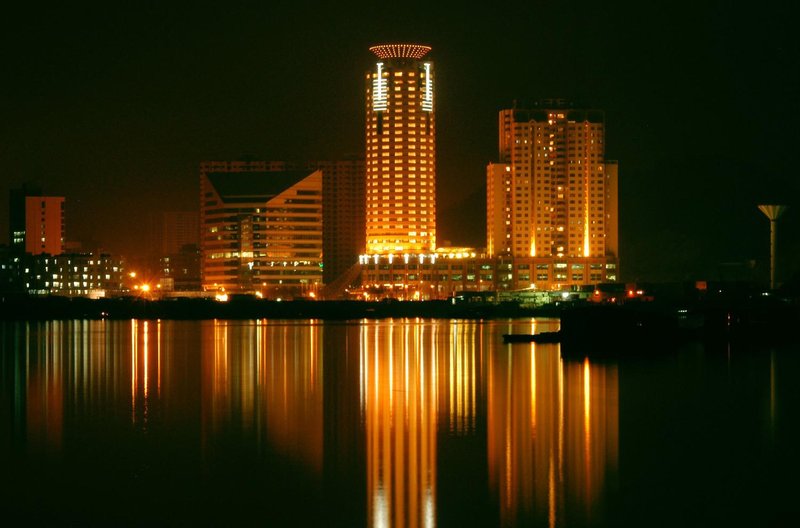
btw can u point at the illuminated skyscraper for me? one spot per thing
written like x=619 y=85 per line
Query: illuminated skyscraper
x=553 y=197
x=400 y=153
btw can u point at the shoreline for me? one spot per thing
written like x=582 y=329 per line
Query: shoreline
x=68 y=308
x=586 y=325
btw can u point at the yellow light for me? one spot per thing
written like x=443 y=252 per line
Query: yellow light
x=312 y=295
x=145 y=287
x=132 y=274
x=221 y=297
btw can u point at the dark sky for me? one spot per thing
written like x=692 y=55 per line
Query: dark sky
x=114 y=106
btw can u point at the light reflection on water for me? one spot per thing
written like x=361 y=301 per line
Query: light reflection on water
x=368 y=419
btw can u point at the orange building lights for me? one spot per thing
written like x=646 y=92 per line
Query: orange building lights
x=400 y=152
x=394 y=51
x=553 y=196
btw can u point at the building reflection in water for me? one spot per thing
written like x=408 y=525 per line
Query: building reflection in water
x=264 y=380
x=145 y=369
x=399 y=396
x=394 y=389
x=552 y=435
x=44 y=386
x=462 y=368
x=59 y=370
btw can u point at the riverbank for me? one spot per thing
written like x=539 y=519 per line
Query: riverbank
x=585 y=326
x=55 y=308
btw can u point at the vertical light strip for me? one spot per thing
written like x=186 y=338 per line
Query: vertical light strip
x=587 y=177
x=533 y=388
x=587 y=424
x=158 y=357
x=134 y=362
x=146 y=353
x=560 y=418
x=427 y=101
x=379 y=90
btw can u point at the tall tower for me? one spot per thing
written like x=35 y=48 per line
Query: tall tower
x=401 y=151
x=773 y=212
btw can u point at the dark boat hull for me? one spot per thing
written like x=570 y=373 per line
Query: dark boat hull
x=543 y=337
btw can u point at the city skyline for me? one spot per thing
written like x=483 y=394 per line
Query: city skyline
x=698 y=106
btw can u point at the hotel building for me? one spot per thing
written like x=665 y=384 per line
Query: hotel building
x=261 y=228
x=552 y=198
x=400 y=151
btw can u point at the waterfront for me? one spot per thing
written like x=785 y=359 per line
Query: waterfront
x=387 y=423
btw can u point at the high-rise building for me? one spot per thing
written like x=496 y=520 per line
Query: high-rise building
x=400 y=151
x=261 y=228
x=342 y=215
x=553 y=196
x=36 y=221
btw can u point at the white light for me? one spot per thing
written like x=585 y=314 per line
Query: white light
x=379 y=90
x=427 y=101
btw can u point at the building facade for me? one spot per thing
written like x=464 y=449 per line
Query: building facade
x=400 y=151
x=36 y=221
x=67 y=274
x=441 y=275
x=261 y=228
x=553 y=196
x=343 y=218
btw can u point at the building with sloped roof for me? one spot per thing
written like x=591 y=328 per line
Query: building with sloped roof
x=261 y=228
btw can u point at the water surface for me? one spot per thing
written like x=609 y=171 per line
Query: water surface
x=386 y=423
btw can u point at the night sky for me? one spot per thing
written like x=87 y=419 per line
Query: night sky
x=114 y=107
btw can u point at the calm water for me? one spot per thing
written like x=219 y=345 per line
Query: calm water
x=386 y=423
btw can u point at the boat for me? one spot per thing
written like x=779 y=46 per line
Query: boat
x=542 y=337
